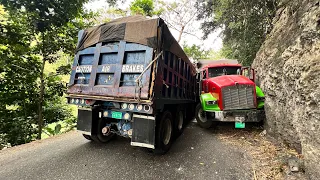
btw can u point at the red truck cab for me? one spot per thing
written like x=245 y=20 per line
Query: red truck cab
x=228 y=93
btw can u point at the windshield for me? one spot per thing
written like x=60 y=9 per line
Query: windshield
x=220 y=71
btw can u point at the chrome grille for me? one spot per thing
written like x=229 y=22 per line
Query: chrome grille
x=240 y=96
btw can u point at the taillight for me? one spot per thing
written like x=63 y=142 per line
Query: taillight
x=131 y=107
x=88 y=102
x=146 y=108
x=82 y=102
x=139 y=107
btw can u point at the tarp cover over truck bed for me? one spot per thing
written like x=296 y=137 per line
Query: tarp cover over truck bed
x=111 y=56
x=136 y=29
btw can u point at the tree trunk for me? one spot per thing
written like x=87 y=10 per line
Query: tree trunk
x=40 y=109
x=180 y=33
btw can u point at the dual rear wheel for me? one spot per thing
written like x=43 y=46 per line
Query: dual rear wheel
x=97 y=134
x=164 y=131
x=168 y=128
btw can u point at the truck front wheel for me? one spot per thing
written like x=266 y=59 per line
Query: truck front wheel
x=164 y=133
x=202 y=118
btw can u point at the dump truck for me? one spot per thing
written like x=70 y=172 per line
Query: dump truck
x=228 y=93
x=131 y=78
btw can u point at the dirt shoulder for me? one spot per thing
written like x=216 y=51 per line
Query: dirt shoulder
x=270 y=158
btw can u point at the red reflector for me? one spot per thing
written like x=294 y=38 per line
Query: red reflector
x=88 y=102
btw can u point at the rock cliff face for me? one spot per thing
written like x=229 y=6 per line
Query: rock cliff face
x=288 y=71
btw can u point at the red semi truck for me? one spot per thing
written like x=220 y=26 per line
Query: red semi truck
x=131 y=78
x=228 y=93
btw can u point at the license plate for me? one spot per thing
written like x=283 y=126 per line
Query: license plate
x=239 y=122
x=116 y=115
x=240 y=125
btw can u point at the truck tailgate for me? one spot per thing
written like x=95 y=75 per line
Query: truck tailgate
x=110 y=70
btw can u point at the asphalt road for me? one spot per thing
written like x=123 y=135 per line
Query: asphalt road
x=196 y=154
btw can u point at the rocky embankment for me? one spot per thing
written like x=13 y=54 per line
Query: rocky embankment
x=288 y=70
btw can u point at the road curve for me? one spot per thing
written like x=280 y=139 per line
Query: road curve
x=196 y=154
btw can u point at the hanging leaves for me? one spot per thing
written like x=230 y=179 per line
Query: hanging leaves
x=245 y=24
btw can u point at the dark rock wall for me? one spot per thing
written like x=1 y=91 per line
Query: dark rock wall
x=288 y=71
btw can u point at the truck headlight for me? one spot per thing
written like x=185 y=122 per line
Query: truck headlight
x=211 y=102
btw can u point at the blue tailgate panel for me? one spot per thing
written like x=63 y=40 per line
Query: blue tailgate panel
x=110 y=70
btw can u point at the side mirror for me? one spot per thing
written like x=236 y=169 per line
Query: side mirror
x=248 y=72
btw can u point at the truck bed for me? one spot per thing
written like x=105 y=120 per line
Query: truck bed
x=109 y=70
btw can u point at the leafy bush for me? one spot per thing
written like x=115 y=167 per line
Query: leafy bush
x=245 y=24
x=16 y=129
x=27 y=45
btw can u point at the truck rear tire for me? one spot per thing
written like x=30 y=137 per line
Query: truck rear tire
x=164 y=133
x=97 y=135
x=201 y=117
x=179 y=122
x=103 y=138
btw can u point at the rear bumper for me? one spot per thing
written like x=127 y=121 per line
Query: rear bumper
x=251 y=115
x=141 y=126
x=106 y=98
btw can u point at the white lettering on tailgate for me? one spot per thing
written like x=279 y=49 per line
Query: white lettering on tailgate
x=105 y=68
x=83 y=69
x=132 y=68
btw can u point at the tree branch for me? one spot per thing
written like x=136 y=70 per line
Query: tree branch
x=21 y=68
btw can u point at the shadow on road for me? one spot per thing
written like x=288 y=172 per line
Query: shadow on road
x=190 y=138
x=196 y=154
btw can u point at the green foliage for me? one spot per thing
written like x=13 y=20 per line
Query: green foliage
x=32 y=33
x=18 y=80
x=46 y=15
x=143 y=7
x=55 y=131
x=3 y=142
x=105 y=15
x=112 y=2
x=195 y=52
x=245 y=24
x=18 y=130
x=216 y=55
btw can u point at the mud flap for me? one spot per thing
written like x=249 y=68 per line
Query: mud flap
x=143 y=131
x=85 y=119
